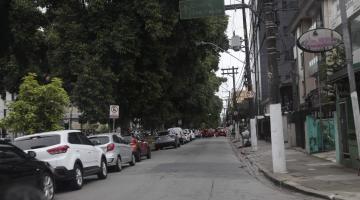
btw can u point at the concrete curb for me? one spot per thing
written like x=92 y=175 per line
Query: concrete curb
x=289 y=184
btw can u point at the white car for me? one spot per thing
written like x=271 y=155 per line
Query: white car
x=192 y=135
x=117 y=150
x=179 y=132
x=69 y=152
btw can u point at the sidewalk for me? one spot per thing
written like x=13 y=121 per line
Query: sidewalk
x=306 y=173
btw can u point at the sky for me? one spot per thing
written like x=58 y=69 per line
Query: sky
x=227 y=61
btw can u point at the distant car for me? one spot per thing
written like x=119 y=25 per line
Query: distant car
x=207 y=133
x=192 y=135
x=179 y=132
x=220 y=132
x=70 y=152
x=166 y=139
x=187 y=135
x=138 y=145
x=117 y=150
x=24 y=177
x=198 y=134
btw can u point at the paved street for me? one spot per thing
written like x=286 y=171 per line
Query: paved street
x=202 y=170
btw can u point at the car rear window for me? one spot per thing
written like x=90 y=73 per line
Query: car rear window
x=100 y=140
x=37 y=142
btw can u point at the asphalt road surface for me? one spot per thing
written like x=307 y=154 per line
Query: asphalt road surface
x=205 y=169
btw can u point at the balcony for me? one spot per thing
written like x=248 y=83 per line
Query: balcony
x=341 y=72
x=313 y=101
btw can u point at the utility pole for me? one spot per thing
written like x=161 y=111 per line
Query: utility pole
x=350 y=70
x=247 y=62
x=232 y=72
x=277 y=135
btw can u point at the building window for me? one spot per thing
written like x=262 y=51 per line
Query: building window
x=302 y=60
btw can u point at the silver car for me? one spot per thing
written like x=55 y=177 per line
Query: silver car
x=117 y=150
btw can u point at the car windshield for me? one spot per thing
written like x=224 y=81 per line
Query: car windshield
x=163 y=133
x=99 y=140
x=37 y=142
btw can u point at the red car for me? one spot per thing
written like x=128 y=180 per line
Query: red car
x=207 y=133
x=220 y=133
x=138 y=145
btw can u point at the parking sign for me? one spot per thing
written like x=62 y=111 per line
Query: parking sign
x=114 y=111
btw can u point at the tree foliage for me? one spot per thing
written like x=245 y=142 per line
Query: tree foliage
x=134 y=53
x=38 y=107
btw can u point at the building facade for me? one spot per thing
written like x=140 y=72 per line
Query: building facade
x=285 y=10
x=314 y=87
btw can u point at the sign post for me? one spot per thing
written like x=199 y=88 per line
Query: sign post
x=191 y=9
x=114 y=114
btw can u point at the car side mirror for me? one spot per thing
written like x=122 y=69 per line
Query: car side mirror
x=31 y=154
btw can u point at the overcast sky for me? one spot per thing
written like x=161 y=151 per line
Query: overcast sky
x=227 y=61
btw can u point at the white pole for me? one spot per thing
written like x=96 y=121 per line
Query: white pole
x=350 y=70
x=253 y=134
x=277 y=139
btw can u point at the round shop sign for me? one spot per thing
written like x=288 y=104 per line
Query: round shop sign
x=319 y=40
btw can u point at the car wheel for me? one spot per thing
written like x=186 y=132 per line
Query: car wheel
x=103 y=170
x=48 y=187
x=138 y=156
x=132 y=162
x=78 y=179
x=148 y=155
x=118 y=166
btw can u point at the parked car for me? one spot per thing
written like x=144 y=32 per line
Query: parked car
x=166 y=139
x=138 y=145
x=192 y=135
x=116 y=149
x=69 y=152
x=149 y=137
x=24 y=177
x=198 y=134
x=220 y=132
x=179 y=132
x=207 y=133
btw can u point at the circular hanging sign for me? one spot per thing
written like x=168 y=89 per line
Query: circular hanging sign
x=319 y=40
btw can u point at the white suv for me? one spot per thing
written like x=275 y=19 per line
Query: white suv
x=69 y=152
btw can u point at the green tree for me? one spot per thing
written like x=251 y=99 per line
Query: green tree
x=38 y=107
x=134 y=53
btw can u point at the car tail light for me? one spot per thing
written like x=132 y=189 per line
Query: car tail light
x=58 y=150
x=110 y=147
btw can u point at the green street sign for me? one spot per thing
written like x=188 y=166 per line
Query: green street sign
x=190 y=9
